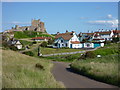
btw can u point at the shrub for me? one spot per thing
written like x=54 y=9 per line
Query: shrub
x=38 y=65
x=43 y=44
x=89 y=54
x=30 y=53
x=13 y=48
x=30 y=44
x=115 y=39
x=34 y=42
x=50 y=41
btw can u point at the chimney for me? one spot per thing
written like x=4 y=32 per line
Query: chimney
x=66 y=31
x=73 y=31
x=58 y=33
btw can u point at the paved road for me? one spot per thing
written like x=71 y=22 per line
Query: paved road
x=62 y=72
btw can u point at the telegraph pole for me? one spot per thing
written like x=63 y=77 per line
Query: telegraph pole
x=38 y=50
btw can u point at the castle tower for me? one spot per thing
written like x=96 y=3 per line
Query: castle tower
x=35 y=22
x=42 y=26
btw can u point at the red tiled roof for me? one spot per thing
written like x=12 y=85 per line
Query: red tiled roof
x=75 y=42
x=65 y=36
x=116 y=31
x=106 y=32
x=42 y=38
x=88 y=33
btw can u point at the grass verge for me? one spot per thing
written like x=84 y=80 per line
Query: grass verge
x=20 y=71
x=103 y=69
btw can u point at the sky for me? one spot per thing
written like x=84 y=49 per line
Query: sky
x=62 y=16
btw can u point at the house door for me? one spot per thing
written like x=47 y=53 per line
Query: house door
x=70 y=45
x=58 y=45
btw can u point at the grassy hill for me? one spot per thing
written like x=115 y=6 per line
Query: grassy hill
x=22 y=71
x=30 y=34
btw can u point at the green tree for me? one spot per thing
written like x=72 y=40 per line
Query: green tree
x=44 y=44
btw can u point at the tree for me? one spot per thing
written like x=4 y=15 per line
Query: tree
x=50 y=41
x=44 y=44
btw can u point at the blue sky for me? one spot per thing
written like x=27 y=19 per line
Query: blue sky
x=62 y=16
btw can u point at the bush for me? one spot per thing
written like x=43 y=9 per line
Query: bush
x=115 y=40
x=34 y=42
x=38 y=65
x=50 y=41
x=13 y=48
x=43 y=44
x=30 y=53
x=89 y=54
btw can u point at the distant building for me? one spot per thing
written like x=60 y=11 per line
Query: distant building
x=36 y=25
x=116 y=34
x=15 y=43
x=68 y=39
x=72 y=40
x=107 y=35
x=41 y=38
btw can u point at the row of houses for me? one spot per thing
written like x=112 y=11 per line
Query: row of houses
x=84 y=40
x=72 y=40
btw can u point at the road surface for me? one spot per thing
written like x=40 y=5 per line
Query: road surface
x=62 y=72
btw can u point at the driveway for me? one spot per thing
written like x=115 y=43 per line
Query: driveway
x=62 y=72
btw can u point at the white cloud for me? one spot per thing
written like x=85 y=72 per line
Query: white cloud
x=112 y=23
x=17 y=22
x=109 y=16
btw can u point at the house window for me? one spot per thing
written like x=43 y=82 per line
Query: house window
x=88 y=45
x=56 y=44
x=61 y=41
x=62 y=44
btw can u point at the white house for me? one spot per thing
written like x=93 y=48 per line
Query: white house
x=107 y=35
x=68 y=39
x=15 y=43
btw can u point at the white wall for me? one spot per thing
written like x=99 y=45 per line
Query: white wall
x=102 y=44
x=19 y=46
x=76 y=45
x=91 y=45
x=74 y=38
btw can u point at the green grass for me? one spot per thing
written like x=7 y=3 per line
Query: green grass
x=107 y=50
x=64 y=58
x=53 y=50
x=19 y=71
x=103 y=69
x=30 y=34
x=24 y=42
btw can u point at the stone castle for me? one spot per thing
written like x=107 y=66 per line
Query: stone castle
x=36 y=25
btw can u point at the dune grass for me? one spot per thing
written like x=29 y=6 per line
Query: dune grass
x=20 y=71
x=104 y=69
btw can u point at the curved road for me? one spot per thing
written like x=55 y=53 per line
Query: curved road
x=62 y=72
